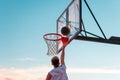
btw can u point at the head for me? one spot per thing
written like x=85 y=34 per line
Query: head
x=55 y=61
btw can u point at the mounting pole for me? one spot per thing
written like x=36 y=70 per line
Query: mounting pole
x=94 y=18
x=80 y=15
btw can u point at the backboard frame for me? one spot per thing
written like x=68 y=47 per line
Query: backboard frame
x=95 y=38
x=67 y=21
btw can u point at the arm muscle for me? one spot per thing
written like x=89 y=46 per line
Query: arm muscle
x=63 y=56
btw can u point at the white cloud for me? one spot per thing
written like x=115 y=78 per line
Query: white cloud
x=26 y=59
x=94 y=70
x=113 y=67
x=35 y=73
x=40 y=72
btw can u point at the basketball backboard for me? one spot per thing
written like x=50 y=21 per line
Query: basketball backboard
x=71 y=17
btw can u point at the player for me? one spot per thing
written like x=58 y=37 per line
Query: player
x=59 y=71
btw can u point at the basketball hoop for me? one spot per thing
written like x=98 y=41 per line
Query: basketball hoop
x=53 y=41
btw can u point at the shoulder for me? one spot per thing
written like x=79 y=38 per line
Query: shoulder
x=63 y=65
x=48 y=76
x=53 y=71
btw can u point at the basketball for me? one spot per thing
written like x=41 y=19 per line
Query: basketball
x=65 y=31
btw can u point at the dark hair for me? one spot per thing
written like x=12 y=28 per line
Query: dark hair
x=55 y=61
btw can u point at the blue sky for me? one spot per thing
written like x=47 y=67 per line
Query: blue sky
x=23 y=49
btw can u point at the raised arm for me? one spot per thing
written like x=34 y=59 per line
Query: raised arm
x=63 y=56
x=65 y=42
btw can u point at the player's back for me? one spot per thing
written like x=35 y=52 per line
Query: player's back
x=59 y=73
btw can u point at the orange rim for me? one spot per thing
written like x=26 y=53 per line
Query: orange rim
x=46 y=37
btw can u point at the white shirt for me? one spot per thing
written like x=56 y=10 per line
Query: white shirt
x=59 y=73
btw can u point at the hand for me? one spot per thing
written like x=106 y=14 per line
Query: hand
x=65 y=41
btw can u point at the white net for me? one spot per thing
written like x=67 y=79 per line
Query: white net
x=53 y=41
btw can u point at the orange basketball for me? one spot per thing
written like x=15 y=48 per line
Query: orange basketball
x=65 y=31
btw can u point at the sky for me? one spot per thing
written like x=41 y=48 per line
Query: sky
x=23 y=49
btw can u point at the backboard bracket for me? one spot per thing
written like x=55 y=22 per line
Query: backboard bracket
x=111 y=40
x=95 y=38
